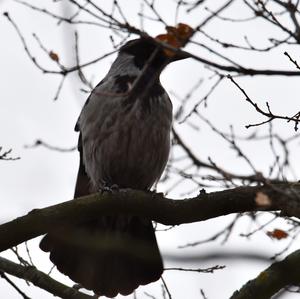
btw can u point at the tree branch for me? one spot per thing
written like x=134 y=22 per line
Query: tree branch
x=41 y=280
x=271 y=280
x=9 y=281
x=153 y=206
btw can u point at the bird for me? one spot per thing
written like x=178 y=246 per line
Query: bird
x=124 y=141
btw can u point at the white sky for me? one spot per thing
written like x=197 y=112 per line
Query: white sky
x=43 y=177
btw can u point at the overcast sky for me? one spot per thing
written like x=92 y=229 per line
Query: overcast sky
x=43 y=177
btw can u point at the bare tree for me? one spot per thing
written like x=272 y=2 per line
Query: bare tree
x=232 y=60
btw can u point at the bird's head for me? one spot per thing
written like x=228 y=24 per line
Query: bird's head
x=147 y=50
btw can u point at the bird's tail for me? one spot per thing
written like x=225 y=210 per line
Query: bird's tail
x=110 y=255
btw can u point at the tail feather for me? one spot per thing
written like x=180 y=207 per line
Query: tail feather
x=109 y=256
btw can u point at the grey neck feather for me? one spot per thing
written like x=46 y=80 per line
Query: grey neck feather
x=124 y=64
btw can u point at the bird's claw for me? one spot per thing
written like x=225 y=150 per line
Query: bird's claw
x=109 y=189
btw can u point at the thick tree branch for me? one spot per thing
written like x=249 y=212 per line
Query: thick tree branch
x=271 y=280
x=41 y=280
x=153 y=206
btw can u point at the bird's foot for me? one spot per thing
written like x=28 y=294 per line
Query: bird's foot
x=109 y=188
x=77 y=286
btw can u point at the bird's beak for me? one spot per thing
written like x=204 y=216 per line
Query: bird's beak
x=180 y=56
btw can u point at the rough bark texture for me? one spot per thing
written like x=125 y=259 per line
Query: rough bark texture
x=40 y=279
x=152 y=206
x=271 y=280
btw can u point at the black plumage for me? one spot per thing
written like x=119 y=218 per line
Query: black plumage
x=124 y=141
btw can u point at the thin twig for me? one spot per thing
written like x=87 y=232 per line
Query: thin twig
x=166 y=287
x=4 y=276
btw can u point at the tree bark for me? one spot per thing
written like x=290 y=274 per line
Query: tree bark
x=272 y=280
x=40 y=279
x=152 y=206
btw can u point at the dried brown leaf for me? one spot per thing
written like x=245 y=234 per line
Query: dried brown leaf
x=53 y=56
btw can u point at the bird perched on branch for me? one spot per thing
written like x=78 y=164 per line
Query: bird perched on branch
x=124 y=140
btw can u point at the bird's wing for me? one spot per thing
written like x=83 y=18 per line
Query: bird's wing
x=98 y=99
x=82 y=186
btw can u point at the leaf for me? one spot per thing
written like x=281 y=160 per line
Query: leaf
x=53 y=56
x=169 y=39
x=176 y=37
x=184 y=31
x=277 y=234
